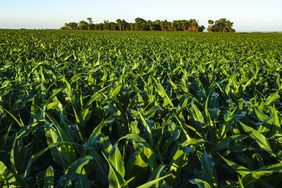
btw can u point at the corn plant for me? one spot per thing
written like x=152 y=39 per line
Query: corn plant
x=140 y=109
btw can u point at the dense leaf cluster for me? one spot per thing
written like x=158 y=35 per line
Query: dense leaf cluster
x=116 y=109
x=222 y=25
x=140 y=24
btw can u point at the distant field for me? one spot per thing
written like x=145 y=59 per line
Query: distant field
x=149 y=109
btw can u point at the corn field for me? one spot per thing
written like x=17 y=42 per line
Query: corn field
x=140 y=109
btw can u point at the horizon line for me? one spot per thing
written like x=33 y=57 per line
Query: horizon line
x=205 y=31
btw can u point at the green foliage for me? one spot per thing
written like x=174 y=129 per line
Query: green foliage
x=140 y=24
x=136 y=109
x=221 y=25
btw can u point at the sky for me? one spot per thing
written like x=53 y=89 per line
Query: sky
x=247 y=15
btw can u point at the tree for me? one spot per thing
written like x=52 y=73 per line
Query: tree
x=100 y=26
x=126 y=25
x=106 y=25
x=221 y=25
x=64 y=28
x=90 y=20
x=90 y=24
x=150 y=24
x=210 y=22
x=141 y=24
x=201 y=28
x=157 y=25
x=166 y=25
x=120 y=24
x=71 y=26
x=176 y=25
x=162 y=24
x=83 y=25
x=194 y=25
x=113 y=26
x=132 y=26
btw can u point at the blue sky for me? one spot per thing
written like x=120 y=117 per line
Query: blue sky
x=247 y=15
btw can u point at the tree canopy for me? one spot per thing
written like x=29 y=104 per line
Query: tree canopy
x=221 y=25
x=140 y=24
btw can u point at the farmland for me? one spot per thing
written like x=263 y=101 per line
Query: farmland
x=148 y=109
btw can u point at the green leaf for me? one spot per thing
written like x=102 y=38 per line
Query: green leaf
x=116 y=160
x=200 y=183
x=157 y=173
x=74 y=171
x=54 y=105
x=271 y=98
x=208 y=171
x=96 y=96
x=258 y=137
x=262 y=116
x=148 y=129
x=3 y=168
x=134 y=137
x=275 y=116
x=268 y=170
x=197 y=114
x=238 y=168
x=6 y=177
x=179 y=160
x=115 y=91
x=161 y=91
x=100 y=166
x=114 y=177
x=16 y=120
x=49 y=178
x=153 y=182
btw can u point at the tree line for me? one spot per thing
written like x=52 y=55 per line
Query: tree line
x=140 y=24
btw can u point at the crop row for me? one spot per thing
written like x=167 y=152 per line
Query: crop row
x=128 y=109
